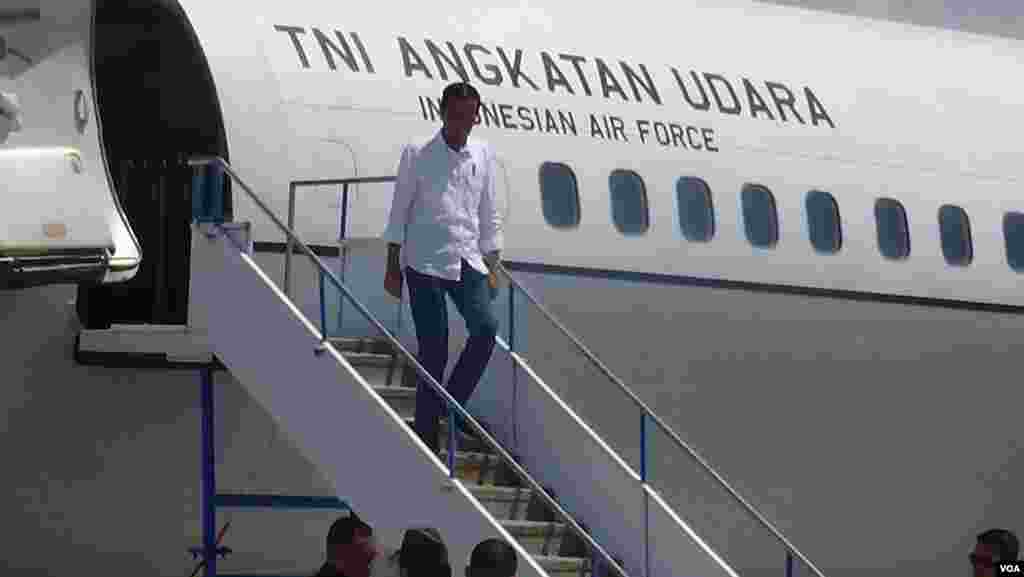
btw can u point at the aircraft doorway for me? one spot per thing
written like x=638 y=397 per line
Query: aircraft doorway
x=157 y=106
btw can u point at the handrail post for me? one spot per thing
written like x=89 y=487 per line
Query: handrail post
x=643 y=447
x=288 y=242
x=343 y=225
x=451 y=441
x=343 y=236
x=511 y=318
x=515 y=369
x=209 y=475
x=789 y=563
x=323 y=310
x=643 y=483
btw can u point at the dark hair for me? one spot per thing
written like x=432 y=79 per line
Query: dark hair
x=494 y=556
x=458 y=90
x=1004 y=542
x=344 y=529
x=424 y=553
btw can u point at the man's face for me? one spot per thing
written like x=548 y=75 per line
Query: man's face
x=983 y=561
x=355 y=558
x=460 y=116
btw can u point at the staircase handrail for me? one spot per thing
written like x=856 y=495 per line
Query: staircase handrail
x=410 y=359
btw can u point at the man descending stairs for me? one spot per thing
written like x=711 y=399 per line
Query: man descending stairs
x=524 y=516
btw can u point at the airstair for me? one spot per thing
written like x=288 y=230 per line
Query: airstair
x=338 y=376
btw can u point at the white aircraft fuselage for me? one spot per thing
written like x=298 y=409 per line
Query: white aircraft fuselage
x=846 y=358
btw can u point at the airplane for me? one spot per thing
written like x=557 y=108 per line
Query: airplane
x=806 y=224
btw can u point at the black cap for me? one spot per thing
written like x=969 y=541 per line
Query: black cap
x=344 y=528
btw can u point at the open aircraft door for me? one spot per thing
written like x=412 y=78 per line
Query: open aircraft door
x=60 y=222
x=55 y=226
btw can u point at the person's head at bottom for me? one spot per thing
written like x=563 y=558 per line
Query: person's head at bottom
x=492 y=558
x=350 y=547
x=423 y=554
x=993 y=547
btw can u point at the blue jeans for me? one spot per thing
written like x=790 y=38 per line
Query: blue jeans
x=472 y=298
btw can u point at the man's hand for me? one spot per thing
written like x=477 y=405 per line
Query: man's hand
x=494 y=283
x=393 y=276
x=496 y=273
x=496 y=276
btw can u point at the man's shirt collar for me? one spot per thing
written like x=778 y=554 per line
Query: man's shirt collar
x=440 y=141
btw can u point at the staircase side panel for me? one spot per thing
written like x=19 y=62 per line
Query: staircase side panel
x=330 y=412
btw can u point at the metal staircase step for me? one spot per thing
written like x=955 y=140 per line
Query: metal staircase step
x=466 y=442
x=380 y=370
x=564 y=566
x=479 y=468
x=401 y=399
x=362 y=345
x=375 y=360
x=511 y=503
x=538 y=538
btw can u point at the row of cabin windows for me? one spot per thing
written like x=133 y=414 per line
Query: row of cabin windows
x=630 y=215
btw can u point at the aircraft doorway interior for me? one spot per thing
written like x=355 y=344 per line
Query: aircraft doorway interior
x=157 y=106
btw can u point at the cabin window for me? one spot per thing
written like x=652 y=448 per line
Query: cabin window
x=1013 y=232
x=955 y=232
x=893 y=230
x=696 y=212
x=823 y=225
x=759 y=216
x=559 y=195
x=629 y=202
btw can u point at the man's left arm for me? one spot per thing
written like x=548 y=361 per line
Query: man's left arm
x=491 y=226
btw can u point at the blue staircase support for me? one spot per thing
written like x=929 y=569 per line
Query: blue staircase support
x=211 y=550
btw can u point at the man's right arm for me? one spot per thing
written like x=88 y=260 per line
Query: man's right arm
x=405 y=184
x=394 y=233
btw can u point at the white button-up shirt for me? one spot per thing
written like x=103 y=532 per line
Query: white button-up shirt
x=445 y=207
